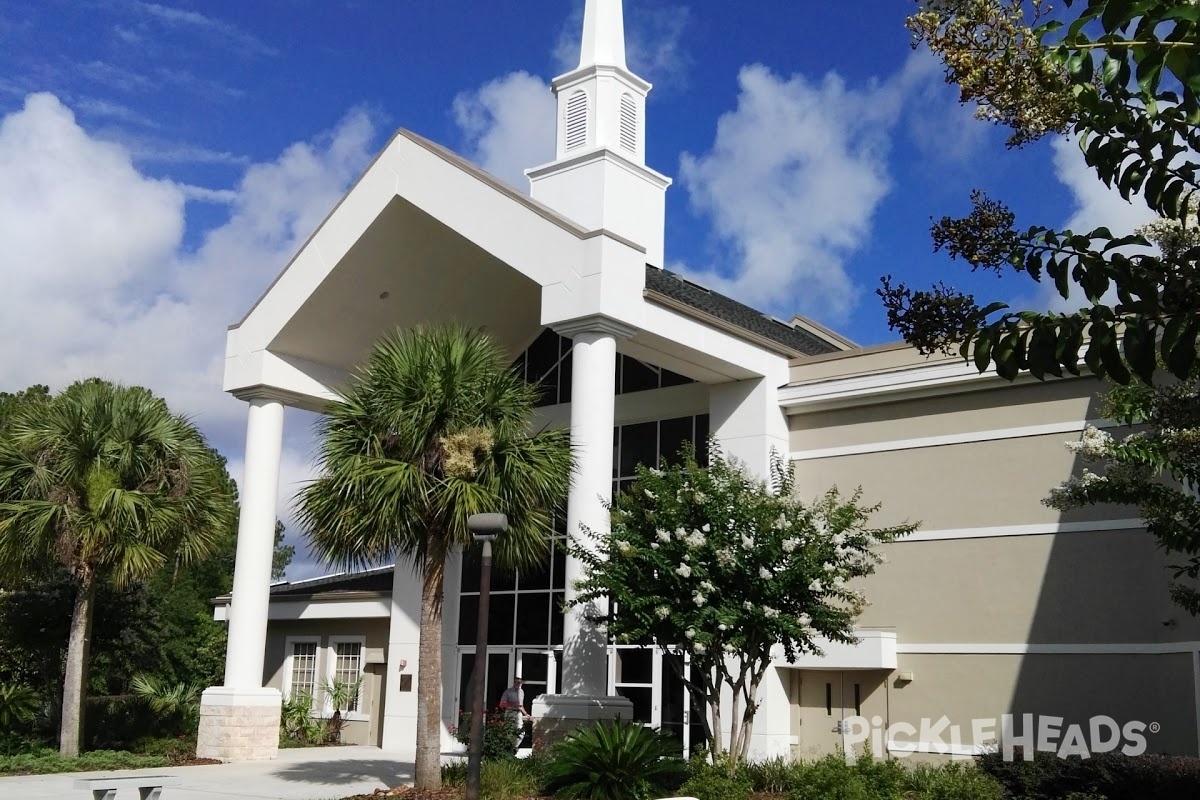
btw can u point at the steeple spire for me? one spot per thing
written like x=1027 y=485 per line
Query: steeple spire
x=599 y=177
x=603 y=35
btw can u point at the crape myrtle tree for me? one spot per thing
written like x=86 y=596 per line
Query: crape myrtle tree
x=729 y=569
x=1122 y=77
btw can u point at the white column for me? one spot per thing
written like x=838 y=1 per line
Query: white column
x=593 y=390
x=240 y=720
x=255 y=546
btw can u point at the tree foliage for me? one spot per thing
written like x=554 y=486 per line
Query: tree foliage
x=1156 y=469
x=713 y=563
x=433 y=428
x=1122 y=77
x=104 y=483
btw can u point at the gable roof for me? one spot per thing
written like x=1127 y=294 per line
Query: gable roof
x=739 y=315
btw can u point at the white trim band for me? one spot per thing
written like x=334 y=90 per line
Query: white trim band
x=1071 y=426
x=1036 y=529
x=1024 y=648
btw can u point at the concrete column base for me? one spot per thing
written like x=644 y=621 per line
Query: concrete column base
x=556 y=715
x=239 y=724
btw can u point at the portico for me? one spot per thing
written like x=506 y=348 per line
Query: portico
x=425 y=237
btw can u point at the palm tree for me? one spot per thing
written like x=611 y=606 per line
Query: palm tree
x=435 y=427
x=104 y=481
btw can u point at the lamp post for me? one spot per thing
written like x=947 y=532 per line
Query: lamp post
x=484 y=529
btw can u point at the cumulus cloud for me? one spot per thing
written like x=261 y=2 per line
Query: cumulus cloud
x=99 y=283
x=508 y=125
x=796 y=172
x=790 y=185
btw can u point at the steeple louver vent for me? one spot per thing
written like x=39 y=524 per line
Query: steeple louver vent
x=629 y=135
x=577 y=120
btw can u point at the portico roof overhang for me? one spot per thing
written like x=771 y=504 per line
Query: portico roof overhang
x=425 y=237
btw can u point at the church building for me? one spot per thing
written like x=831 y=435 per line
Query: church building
x=997 y=606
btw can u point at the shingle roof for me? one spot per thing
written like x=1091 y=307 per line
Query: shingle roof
x=729 y=310
x=371 y=580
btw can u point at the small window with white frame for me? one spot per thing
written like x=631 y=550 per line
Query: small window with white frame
x=345 y=665
x=301 y=668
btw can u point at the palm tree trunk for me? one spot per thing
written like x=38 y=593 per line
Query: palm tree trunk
x=74 y=680
x=428 y=772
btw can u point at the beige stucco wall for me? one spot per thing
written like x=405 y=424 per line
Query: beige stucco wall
x=1146 y=688
x=357 y=731
x=996 y=408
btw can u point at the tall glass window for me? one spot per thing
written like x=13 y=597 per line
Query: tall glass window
x=547 y=363
x=525 y=607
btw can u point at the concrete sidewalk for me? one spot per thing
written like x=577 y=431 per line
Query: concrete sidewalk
x=311 y=773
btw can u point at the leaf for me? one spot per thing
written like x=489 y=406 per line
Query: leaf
x=983 y=350
x=1138 y=344
x=1183 y=355
x=1116 y=14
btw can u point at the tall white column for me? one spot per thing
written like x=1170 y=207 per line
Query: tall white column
x=255 y=546
x=240 y=720
x=593 y=389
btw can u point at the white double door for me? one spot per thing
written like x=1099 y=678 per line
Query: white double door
x=539 y=671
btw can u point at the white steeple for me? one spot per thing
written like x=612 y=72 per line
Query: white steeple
x=603 y=34
x=600 y=178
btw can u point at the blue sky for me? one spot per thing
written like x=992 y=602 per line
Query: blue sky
x=160 y=162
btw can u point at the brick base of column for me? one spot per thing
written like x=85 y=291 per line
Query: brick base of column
x=556 y=715
x=238 y=724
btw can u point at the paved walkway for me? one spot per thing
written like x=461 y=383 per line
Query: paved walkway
x=313 y=773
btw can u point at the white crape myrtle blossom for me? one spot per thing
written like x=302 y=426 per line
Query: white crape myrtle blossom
x=743 y=550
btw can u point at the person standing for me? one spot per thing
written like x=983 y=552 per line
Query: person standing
x=512 y=701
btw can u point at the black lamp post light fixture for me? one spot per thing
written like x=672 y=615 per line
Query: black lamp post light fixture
x=484 y=529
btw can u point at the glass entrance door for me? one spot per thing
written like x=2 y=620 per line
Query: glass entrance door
x=497 y=678
x=539 y=671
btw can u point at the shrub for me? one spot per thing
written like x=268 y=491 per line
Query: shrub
x=454 y=773
x=1110 y=775
x=720 y=780
x=500 y=731
x=177 y=704
x=506 y=779
x=831 y=778
x=614 y=760
x=774 y=776
x=297 y=726
x=18 y=705
x=953 y=781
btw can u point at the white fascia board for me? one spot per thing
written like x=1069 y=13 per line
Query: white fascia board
x=375 y=608
x=874 y=650
x=293 y=381
x=530 y=239
x=710 y=347
x=923 y=380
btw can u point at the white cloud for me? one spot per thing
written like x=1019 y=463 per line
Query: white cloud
x=227 y=34
x=791 y=184
x=508 y=125
x=98 y=282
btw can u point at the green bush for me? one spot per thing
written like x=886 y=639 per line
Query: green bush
x=953 y=781
x=1107 y=775
x=500 y=731
x=831 y=778
x=297 y=726
x=719 y=780
x=614 y=760
x=18 y=706
x=503 y=779
x=774 y=776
